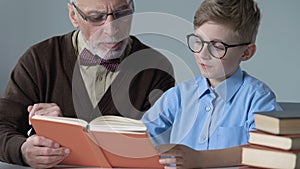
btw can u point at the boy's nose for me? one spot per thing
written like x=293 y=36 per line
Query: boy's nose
x=204 y=53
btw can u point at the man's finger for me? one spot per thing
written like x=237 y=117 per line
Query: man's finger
x=44 y=142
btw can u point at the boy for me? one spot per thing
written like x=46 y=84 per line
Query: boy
x=215 y=110
x=78 y=74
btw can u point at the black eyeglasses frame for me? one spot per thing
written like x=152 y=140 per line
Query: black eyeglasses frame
x=212 y=42
x=89 y=19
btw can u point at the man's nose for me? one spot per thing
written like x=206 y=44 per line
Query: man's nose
x=111 y=25
x=110 y=17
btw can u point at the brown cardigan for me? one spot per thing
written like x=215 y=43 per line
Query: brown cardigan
x=48 y=73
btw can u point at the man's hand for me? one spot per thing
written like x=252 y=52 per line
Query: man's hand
x=39 y=152
x=44 y=109
x=182 y=156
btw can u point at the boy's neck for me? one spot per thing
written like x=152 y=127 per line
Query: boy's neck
x=215 y=82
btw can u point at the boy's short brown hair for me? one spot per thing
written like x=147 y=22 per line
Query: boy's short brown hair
x=243 y=16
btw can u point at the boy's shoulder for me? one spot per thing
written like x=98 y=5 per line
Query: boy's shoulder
x=252 y=82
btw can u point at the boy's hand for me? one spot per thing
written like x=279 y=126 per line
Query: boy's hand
x=39 y=152
x=181 y=155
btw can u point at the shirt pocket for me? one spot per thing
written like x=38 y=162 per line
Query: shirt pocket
x=232 y=136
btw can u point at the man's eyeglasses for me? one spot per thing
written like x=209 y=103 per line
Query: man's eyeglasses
x=100 y=18
x=216 y=48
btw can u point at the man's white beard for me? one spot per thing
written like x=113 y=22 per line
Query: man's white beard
x=104 y=52
x=118 y=32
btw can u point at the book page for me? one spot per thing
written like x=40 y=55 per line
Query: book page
x=67 y=120
x=117 y=124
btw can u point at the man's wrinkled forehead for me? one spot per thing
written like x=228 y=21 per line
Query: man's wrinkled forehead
x=115 y=2
x=102 y=5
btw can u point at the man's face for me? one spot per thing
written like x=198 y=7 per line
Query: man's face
x=109 y=38
x=217 y=70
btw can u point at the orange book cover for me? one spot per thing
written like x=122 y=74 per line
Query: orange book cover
x=129 y=150
x=100 y=143
x=84 y=152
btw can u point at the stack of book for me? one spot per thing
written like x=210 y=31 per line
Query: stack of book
x=276 y=143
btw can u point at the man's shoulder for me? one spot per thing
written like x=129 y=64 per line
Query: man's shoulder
x=54 y=40
x=143 y=53
x=137 y=44
x=49 y=50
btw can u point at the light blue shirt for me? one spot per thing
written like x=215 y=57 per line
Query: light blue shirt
x=196 y=115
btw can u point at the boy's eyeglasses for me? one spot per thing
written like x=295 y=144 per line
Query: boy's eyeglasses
x=100 y=19
x=216 y=48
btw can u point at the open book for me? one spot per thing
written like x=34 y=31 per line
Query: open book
x=107 y=141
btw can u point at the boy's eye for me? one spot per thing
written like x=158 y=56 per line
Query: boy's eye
x=218 y=46
x=198 y=41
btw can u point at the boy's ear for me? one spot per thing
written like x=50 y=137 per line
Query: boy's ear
x=249 y=52
x=72 y=16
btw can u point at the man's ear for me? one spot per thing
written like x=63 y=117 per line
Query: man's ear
x=72 y=16
x=249 y=52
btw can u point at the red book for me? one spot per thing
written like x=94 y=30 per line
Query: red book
x=260 y=156
x=285 y=142
x=108 y=141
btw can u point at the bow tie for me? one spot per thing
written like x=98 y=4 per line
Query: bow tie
x=88 y=59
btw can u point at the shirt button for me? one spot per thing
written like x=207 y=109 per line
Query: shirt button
x=203 y=138
x=207 y=108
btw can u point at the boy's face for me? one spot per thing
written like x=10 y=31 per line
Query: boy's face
x=214 y=69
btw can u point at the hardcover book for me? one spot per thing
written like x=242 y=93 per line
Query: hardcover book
x=278 y=122
x=260 y=156
x=285 y=142
x=107 y=141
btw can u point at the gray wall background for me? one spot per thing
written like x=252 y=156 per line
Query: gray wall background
x=24 y=23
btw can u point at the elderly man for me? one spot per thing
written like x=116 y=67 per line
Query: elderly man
x=95 y=70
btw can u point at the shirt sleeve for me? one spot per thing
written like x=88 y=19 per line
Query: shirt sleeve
x=262 y=102
x=160 y=117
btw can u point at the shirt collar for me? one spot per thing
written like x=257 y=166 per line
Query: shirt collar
x=226 y=89
x=203 y=86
